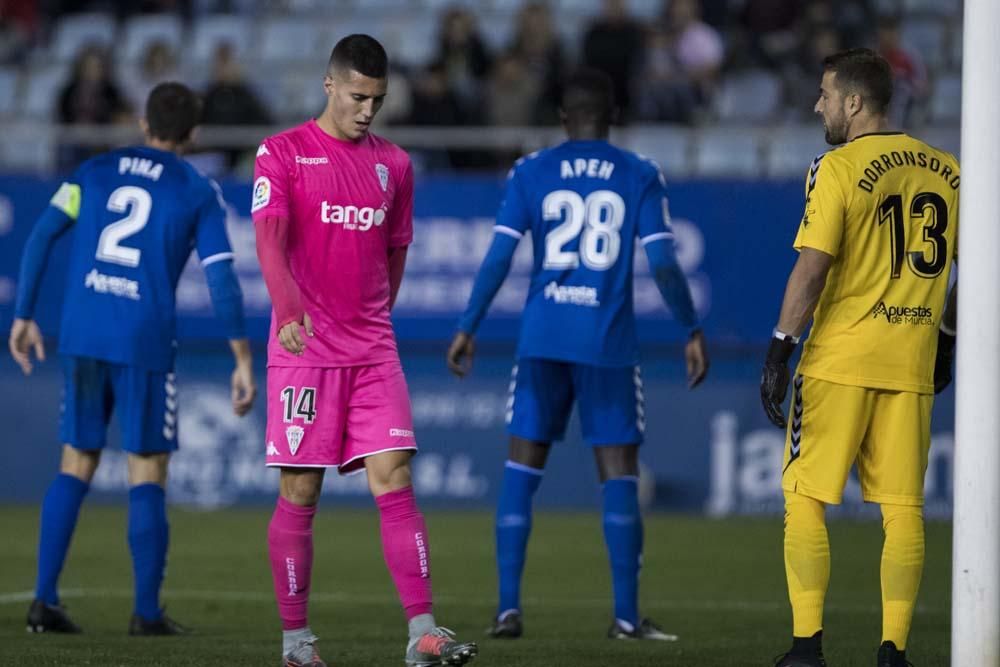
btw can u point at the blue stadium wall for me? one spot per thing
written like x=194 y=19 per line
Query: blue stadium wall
x=710 y=450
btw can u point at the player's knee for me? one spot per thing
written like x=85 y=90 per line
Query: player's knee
x=147 y=469
x=388 y=472
x=905 y=517
x=79 y=463
x=798 y=505
x=529 y=453
x=617 y=462
x=301 y=487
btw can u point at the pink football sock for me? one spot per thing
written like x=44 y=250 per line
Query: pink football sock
x=406 y=549
x=290 y=544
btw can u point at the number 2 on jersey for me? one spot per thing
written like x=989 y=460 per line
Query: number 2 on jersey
x=138 y=203
x=301 y=407
x=599 y=217
x=891 y=211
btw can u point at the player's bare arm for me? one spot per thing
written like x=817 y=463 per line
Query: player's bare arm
x=397 y=266
x=944 y=361
x=460 y=354
x=696 y=358
x=805 y=285
x=25 y=338
x=244 y=387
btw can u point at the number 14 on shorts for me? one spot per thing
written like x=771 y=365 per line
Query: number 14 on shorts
x=299 y=404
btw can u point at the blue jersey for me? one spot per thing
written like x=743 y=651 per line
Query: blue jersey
x=138 y=213
x=585 y=204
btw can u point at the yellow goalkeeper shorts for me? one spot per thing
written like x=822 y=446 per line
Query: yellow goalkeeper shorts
x=832 y=426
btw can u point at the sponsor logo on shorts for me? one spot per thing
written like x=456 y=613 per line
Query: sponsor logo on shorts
x=272 y=450
x=914 y=315
x=294 y=436
x=293 y=584
x=113 y=285
x=311 y=160
x=400 y=433
x=425 y=570
x=571 y=294
x=261 y=193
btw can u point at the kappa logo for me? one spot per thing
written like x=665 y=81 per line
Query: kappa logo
x=400 y=433
x=312 y=160
x=383 y=175
x=262 y=151
x=294 y=436
x=272 y=450
x=261 y=193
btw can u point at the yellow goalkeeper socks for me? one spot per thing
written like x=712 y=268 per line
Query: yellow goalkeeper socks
x=902 y=567
x=807 y=562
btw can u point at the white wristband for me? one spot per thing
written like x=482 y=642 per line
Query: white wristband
x=781 y=335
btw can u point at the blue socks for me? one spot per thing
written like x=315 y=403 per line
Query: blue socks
x=513 y=525
x=623 y=536
x=148 y=534
x=60 y=510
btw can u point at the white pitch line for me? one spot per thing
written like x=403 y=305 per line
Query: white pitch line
x=353 y=598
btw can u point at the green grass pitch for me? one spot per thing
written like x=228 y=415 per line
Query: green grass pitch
x=718 y=584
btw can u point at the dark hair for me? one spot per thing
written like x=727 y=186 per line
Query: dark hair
x=172 y=111
x=589 y=96
x=863 y=72
x=361 y=53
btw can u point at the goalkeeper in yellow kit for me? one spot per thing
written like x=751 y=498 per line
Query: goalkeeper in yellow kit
x=876 y=245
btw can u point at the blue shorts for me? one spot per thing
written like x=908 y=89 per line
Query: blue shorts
x=542 y=391
x=146 y=403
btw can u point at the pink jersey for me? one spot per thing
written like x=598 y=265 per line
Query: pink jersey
x=347 y=204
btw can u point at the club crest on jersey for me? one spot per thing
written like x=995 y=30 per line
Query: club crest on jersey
x=383 y=175
x=294 y=436
x=261 y=193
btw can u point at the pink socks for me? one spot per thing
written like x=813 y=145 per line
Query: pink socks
x=406 y=549
x=290 y=544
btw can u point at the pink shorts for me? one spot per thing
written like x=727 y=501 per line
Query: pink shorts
x=335 y=417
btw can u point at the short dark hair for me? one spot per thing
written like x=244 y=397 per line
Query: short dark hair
x=863 y=72
x=361 y=53
x=172 y=112
x=589 y=96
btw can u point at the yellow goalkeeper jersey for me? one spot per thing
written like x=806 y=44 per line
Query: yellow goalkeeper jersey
x=885 y=206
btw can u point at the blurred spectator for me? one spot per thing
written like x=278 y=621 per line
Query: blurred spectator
x=910 y=85
x=90 y=97
x=229 y=100
x=698 y=47
x=18 y=28
x=434 y=103
x=802 y=82
x=463 y=55
x=614 y=44
x=398 y=102
x=771 y=26
x=512 y=93
x=537 y=45
x=158 y=64
x=663 y=93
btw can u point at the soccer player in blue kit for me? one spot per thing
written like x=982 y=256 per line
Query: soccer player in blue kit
x=585 y=203
x=136 y=214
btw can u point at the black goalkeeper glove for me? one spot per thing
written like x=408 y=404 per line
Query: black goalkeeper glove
x=774 y=379
x=944 y=362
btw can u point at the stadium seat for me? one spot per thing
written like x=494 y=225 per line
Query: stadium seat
x=28 y=147
x=945 y=138
x=210 y=32
x=291 y=39
x=41 y=91
x=497 y=30
x=8 y=90
x=792 y=149
x=141 y=31
x=748 y=97
x=927 y=38
x=646 y=9
x=939 y=7
x=670 y=147
x=75 y=31
x=946 y=101
x=728 y=152
x=579 y=7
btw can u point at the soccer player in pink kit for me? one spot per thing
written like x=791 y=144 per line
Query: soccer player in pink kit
x=332 y=208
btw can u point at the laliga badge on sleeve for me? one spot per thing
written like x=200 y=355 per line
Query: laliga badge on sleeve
x=261 y=193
